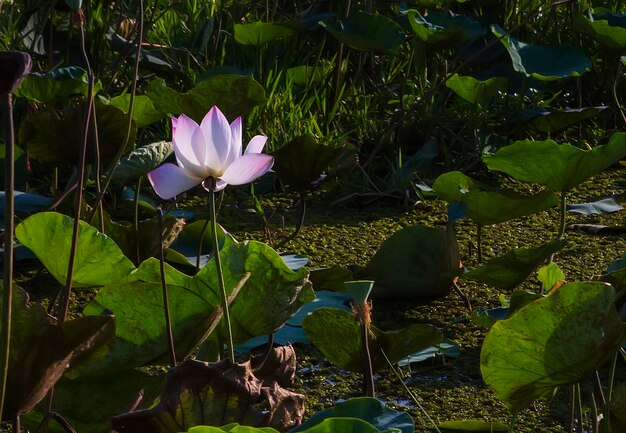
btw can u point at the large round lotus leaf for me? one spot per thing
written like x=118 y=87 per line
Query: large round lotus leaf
x=543 y=62
x=604 y=26
x=555 y=120
x=508 y=271
x=55 y=86
x=270 y=296
x=557 y=340
x=98 y=259
x=366 y=32
x=345 y=425
x=444 y=27
x=326 y=326
x=415 y=262
x=559 y=167
x=233 y=94
x=318 y=156
x=260 y=33
x=364 y=408
x=55 y=137
x=488 y=205
x=474 y=90
x=144 y=112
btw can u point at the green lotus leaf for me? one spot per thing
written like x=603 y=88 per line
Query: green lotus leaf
x=304 y=75
x=474 y=90
x=56 y=86
x=558 y=340
x=366 y=409
x=415 y=262
x=326 y=326
x=510 y=270
x=98 y=261
x=444 y=27
x=55 y=137
x=89 y=401
x=604 y=26
x=366 y=32
x=555 y=120
x=142 y=160
x=42 y=350
x=543 y=62
x=489 y=205
x=260 y=33
x=270 y=296
x=233 y=94
x=144 y=112
x=560 y=167
x=319 y=158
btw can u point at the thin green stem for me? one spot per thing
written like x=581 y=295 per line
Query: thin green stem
x=136 y=221
x=203 y=233
x=218 y=267
x=563 y=211
x=7 y=288
x=368 y=378
x=512 y=423
x=166 y=304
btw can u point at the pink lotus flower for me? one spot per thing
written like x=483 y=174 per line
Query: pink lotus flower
x=209 y=154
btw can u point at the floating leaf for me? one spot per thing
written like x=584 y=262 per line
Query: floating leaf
x=291 y=332
x=604 y=206
x=366 y=32
x=604 y=26
x=234 y=94
x=42 y=350
x=25 y=203
x=98 y=260
x=543 y=62
x=444 y=27
x=367 y=409
x=319 y=157
x=144 y=112
x=560 y=167
x=199 y=393
x=445 y=349
x=556 y=120
x=559 y=340
x=474 y=90
x=415 y=262
x=488 y=205
x=508 y=271
x=326 y=326
x=260 y=33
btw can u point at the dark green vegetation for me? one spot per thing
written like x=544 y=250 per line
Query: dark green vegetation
x=436 y=152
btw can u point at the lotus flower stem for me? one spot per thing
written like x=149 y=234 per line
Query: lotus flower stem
x=563 y=211
x=362 y=311
x=81 y=172
x=166 y=304
x=136 y=222
x=133 y=90
x=218 y=268
x=9 y=226
x=202 y=234
x=15 y=66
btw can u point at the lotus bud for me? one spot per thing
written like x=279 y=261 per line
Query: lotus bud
x=14 y=67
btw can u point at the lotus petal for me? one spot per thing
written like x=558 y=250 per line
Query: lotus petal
x=217 y=139
x=247 y=168
x=182 y=138
x=170 y=180
x=257 y=144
